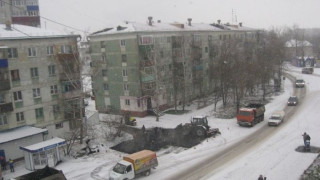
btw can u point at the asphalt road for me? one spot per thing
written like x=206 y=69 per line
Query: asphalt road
x=213 y=163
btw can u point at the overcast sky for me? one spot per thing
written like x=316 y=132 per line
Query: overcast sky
x=92 y=15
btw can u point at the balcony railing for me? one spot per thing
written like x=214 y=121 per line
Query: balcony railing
x=6 y=107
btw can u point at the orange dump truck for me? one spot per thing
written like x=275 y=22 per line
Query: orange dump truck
x=251 y=114
x=137 y=163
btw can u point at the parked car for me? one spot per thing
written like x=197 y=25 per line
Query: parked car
x=300 y=83
x=307 y=70
x=276 y=118
x=293 y=101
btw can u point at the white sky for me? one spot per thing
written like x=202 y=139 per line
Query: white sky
x=97 y=14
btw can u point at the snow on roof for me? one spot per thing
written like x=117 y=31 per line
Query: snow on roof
x=19 y=133
x=26 y=32
x=48 y=144
x=156 y=27
x=294 y=43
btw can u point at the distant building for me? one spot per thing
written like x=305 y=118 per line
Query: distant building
x=143 y=67
x=40 y=79
x=24 y=12
x=296 y=48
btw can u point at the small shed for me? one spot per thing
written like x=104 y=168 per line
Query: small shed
x=46 y=153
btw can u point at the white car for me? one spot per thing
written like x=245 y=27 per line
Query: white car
x=276 y=118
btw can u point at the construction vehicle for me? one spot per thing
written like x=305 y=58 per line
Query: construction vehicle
x=198 y=127
x=251 y=114
x=137 y=163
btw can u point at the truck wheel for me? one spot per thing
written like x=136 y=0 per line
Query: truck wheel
x=147 y=173
x=199 y=132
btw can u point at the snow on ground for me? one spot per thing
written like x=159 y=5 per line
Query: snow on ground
x=274 y=158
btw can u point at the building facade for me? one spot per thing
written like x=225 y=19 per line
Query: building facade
x=140 y=68
x=40 y=79
x=24 y=12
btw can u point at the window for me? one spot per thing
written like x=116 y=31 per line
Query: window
x=125 y=87
x=145 y=40
x=103 y=58
x=55 y=109
x=59 y=125
x=54 y=89
x=15 y=76
x=168 y=39
x=124 y=58
x=209 y=37
x=50 y=50
x=2 y=98
x=34 y=72
x=206 y=49
x=122 y=42
x=33 y=13
x=66 y=49
x=127 y=101
x=36 y=92
x=12 y=53
x=104 y=72
x=32 y=52
x=17 y=96
x=20 y=116
x=39 y=113
x=124 y=72
x=3 y=119
x=52 y=70
x=161 y=54
x=106 y=87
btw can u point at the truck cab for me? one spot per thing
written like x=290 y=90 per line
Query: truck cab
x=122 y=170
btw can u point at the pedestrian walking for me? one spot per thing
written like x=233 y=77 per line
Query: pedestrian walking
x=11 y=165
x=260 y=177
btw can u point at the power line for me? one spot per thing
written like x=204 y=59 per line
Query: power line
x=46 y=18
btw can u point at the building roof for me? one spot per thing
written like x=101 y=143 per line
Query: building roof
x=294 y=43
x=48 y=144
x=27 y=32
x=19 y=133
x=169 y=27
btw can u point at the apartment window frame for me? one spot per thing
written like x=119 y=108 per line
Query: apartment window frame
x=122 y=42
x=36 y=93
x=50 y=50
x=3 y=119
x=32 y=52
x=125 y=87
x=66 y=49
x=146 y=40
x=39 y=113
x=104 y=72
x=124 y=73
x=52 y=70
x=55 y=109
x=127 y=102
x=15 y=75
x=124 y=58
x=20 y=116
x=17 y=96
x=106 y=86
x=54 y=89
x=59 y=125
x=13 y=53
x=34 y=72
x=2 y=98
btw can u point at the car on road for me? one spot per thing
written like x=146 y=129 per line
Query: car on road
x=307 y=70
x=292 y=101
x=300 y=83
x=276 y=118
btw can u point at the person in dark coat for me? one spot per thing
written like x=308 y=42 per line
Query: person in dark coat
x=11 y=165
x=260 y=177
x=305 y=138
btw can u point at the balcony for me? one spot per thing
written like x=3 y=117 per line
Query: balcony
x=147 y=63
x=5 y=85
x=72 y=94
x=6 y=107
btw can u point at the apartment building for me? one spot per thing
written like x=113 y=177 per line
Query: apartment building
x=40 y=82
x=144 y=67
x=24 y=12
